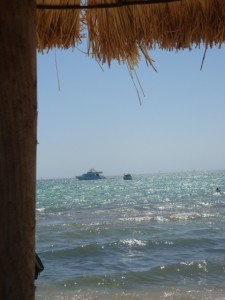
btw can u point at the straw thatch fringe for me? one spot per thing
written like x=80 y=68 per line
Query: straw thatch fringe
x=57 y=29
x=122 y=33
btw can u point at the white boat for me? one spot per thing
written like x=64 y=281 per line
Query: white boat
x=127 y=176
x=91 y=175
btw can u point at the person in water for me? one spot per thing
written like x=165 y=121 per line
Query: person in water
x=217 y=190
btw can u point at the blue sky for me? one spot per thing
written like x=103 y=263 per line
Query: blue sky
x=95 y=119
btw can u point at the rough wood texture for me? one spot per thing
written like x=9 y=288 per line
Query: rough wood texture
x=18 y=118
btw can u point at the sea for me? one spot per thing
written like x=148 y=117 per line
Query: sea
x=157 y=236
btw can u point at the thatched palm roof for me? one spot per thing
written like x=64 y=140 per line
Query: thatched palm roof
x=121 y=30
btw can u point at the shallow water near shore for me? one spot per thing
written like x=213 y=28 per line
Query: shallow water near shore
x=158 y=236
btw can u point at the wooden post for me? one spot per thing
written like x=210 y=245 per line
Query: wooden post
x=18 y=118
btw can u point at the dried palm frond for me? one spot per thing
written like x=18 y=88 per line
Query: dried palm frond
x=123 y=32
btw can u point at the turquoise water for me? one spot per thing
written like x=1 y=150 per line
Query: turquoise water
x=158 y=236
